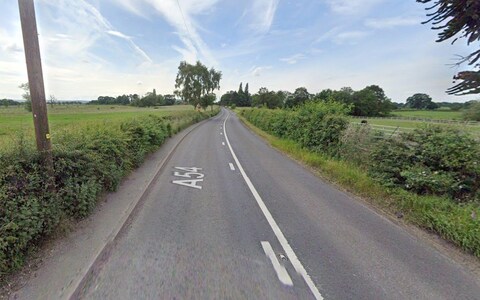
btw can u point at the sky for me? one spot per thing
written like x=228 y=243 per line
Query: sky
x=91 y=48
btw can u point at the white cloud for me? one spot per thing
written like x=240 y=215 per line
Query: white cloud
x=257 y=71
x=293 y=59
x=350 y=7
x=263 y=13
x=392 y=22
x=118 y=34
x=350 y=37
x=180 y=15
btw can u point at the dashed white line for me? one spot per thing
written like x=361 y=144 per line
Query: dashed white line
x=223 y=143
x=279 y=269
x=273 y=224
x=231 y=166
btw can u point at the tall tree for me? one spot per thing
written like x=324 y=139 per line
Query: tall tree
x=193 y=82
x=459 y=19
x=240 y=89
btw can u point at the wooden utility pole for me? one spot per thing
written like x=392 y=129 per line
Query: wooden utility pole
x=35 y=79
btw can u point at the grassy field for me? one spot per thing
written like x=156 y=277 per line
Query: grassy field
x=430 y=114
x=16 y=121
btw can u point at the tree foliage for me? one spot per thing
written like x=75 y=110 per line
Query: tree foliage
x=267 y=98
x=195 y=82
x=473 y=112
x=459 y=19
x=240 y=98
x=421 y=101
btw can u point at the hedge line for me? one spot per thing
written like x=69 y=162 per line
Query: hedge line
x=86 y=163
x=400 y=175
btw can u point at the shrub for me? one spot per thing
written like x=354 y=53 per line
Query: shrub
x=317 y=126
x=430 y=160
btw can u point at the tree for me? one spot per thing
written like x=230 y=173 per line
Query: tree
x=193 y=82
x=459 y=19
x=208 y=100
x=421 y=101
x=267 y=98
x=26 y=96
x=473 y=112
x=52 y=101
x=299 y=97
x=169 y=99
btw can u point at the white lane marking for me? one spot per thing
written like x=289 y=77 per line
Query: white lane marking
x=223 y=143
x=231 y=166
x=273 y=224
x=279 y=269
x=221 y=133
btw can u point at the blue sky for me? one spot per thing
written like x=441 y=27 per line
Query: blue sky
x=110 y=47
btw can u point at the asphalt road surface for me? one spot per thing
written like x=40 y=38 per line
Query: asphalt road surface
x=231 y=218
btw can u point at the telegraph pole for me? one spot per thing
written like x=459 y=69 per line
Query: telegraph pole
x=35 y=80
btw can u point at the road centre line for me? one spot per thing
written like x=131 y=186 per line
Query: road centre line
x=231 y=166
x=273 y=224
x=223 y=143
x=279 y=269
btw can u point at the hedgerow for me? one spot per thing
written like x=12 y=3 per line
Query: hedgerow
x=86 y=163
x=316 y=125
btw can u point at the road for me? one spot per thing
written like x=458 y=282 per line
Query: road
x=231 y=218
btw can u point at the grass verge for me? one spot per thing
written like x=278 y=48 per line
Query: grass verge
x=456 y=223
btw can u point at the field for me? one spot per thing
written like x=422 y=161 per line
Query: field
x=430 y=114
x=16 y=122
x=389 y=126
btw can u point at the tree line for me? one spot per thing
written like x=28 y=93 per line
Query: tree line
x=150 y=99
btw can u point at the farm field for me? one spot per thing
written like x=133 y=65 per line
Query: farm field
x=16 y=121
x=391 y=125
x=430 y=114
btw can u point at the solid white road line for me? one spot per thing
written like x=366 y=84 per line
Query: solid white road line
x=223 y=143
x=273 y=224
x=279 y=269
x=231 y=166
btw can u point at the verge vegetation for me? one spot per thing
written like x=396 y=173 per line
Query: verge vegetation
x=429 y=176
x=87 y=162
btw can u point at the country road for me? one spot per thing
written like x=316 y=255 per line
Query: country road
x=231 y=218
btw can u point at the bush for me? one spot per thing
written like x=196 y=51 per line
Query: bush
x=317 y=126
x=86 y=163
x=430 y=160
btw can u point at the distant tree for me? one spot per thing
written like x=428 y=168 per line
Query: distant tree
x=169 y=99
x=208 y=100
x=52 y=100
x=196 y=81
x=240 y=89
x=26 y=95
x=459 y=19
x=421 y=101
x=122 y=100
x=473 y=112
x=267 y=98
x=299 y=97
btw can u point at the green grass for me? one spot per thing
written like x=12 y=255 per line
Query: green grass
x=16 y=121
x=449 y=220
x=410 y=124
x=430 y=114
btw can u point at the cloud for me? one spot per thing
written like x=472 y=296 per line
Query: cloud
x=257 y=71
x=118 y=34
x=350 y=7
x=387 y=23
x=180 y=15
x=263 y=13
x=293 y=59
x=350 y=37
